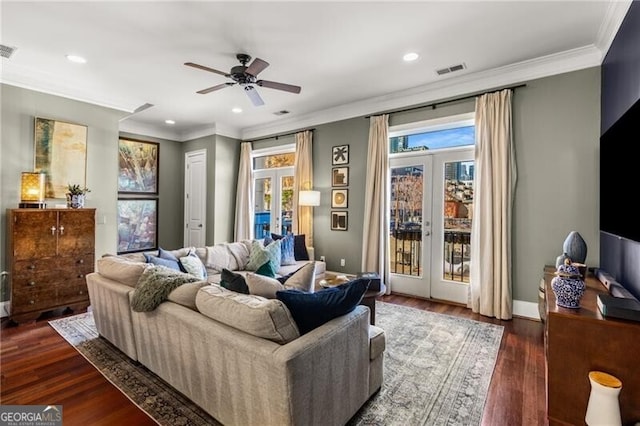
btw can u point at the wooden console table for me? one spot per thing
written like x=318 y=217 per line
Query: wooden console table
x=578 y=341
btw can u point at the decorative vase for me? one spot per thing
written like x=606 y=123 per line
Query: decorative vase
x=568 y=286
x=575 y=247
x=75 y=201
x=603 y=407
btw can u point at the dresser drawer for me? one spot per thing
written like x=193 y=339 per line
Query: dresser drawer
x=34 y=300
x=71 y=294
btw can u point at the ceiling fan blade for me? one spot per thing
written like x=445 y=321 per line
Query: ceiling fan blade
x=253 y=94
x=280 y=86
x=202 y=67
x=214 y=88
x=257 y=66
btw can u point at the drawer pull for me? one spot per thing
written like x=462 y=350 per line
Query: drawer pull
x=32 y=283
x=81 y=261
x=81 y=292
x=61 y=230
x=80 y=276
x=53 y=230
x=32 y=267
x=31 y=302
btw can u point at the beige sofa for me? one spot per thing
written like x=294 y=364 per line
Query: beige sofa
x=240 y=357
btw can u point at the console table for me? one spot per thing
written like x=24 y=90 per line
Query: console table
x=578 y=341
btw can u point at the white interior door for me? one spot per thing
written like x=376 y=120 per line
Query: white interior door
x=195 y=198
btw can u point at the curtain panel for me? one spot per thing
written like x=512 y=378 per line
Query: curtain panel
x=244 y=196
x=302 y=223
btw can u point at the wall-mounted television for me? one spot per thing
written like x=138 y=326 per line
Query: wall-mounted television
x=620 y=176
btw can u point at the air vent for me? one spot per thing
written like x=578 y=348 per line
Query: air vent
x=142 y=108
x=452 y=68
x=283 y=112
x=6 y=51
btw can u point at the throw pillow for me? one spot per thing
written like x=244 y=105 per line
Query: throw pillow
x=266 y=270
x=260 y=285
x=154 y=287
x=260 y=254
x=234 y=282
x=302 y=279
x=164 y=254
x=311 y=310
x=167 y=263
x=300 y=251
x=267 y=240
x=185 y=294
x=287 y=245
x=194 y=266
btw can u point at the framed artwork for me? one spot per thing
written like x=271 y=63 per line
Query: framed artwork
x=137 y=224
x=339 y=198
x=339 y=221
x=340 y=155
x=61 y=154
x=138 y=166
x=340 y=176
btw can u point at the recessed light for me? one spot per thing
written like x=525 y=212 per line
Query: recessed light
x=236 y=110
x=77 y=59
x=169 y=121
x=412 y=56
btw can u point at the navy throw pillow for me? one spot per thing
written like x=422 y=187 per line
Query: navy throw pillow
x=234 y=282
x=311 y=310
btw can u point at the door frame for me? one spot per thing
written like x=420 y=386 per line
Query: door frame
x=188 y=192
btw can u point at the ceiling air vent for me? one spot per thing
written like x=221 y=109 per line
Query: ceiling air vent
x=6 y=51
x=283 y=112
x=452 y=68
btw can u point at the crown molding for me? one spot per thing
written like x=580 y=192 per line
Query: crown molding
x=142 y=129
x=614 y=16
x=572 y=60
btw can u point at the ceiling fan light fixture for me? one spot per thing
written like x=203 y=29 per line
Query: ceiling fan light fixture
x=410 y=57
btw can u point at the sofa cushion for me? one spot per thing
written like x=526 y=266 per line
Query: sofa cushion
x=154 y=287
x=377 y=342
x=233 y=281
x=194 y=266
x=311 y=310
x=303 y=279
x=260 y=254
x=260 y=317
x=119 y=269
x=185 y=294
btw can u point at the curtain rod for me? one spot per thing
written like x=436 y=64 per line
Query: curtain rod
x=280 y=136
x=435 y=104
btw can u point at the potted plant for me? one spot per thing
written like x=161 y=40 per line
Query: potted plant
x=75 y=196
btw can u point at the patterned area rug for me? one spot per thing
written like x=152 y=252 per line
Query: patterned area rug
x=437 y=370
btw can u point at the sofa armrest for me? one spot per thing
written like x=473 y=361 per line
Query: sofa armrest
x=312 y=253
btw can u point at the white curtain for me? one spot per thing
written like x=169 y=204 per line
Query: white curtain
x=244 y=196
x=374 y=238
x=302 y=223
x=494 y=185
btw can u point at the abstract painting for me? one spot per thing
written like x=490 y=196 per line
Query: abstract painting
x=137 y=225
x=138 y=167
x=61 y=154
x=340 y=155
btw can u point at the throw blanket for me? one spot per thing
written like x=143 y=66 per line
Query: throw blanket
x=154 y=287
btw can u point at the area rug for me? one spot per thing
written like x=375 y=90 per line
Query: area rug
x=437 y=370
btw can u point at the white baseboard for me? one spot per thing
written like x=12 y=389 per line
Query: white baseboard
x=526 y=309
x=5 y=307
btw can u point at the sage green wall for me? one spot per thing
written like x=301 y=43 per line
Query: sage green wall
x=556 y=136
x=170 y=190
x=19 y=108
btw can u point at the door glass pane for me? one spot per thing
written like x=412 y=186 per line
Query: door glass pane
x=458 y=214
x=262 y=207
x=405 y=240
x=286 y=204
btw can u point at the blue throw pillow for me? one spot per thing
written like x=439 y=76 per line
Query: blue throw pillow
x=164 y=254
x=311 y=310
x=288 y=256
x=299 y=246
x=172 y=264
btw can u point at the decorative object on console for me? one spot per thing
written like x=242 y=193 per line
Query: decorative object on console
x=575 y=247
x=603 y=407
x=32 y=190
x=568 y=286
x=560 y=259
x=76 y=195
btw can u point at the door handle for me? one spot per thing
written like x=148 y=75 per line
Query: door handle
x=427 y=233
x=200 y=226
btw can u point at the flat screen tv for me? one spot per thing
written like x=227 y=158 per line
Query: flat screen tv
x=620 y=176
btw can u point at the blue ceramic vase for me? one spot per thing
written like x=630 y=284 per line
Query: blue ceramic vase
x=575 y=247
x=568 y=286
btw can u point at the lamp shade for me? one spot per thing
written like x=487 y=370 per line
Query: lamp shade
x=32 y=187
x=309 y=198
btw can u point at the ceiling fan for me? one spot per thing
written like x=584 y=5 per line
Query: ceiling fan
x=246 y=76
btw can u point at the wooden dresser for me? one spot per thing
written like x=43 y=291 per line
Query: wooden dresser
x=578 y=341
x=49 y=253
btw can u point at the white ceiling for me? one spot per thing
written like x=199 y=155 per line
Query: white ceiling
x=347 y=56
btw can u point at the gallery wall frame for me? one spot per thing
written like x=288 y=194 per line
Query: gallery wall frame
x=61 y=154
x=340 y=176
x=138 y=166
x=137 y=224
x=340 y=155
x=339 y=220
x=339 y=198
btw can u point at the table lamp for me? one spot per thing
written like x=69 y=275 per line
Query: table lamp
x=32 y=190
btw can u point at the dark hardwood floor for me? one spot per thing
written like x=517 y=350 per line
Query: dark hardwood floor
x=38 y=367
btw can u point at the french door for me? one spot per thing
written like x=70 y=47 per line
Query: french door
x=430 y=211
x=273 y=199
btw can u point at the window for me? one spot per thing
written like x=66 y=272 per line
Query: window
x=452 y=132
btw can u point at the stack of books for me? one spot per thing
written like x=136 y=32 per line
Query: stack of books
x=619 y=307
